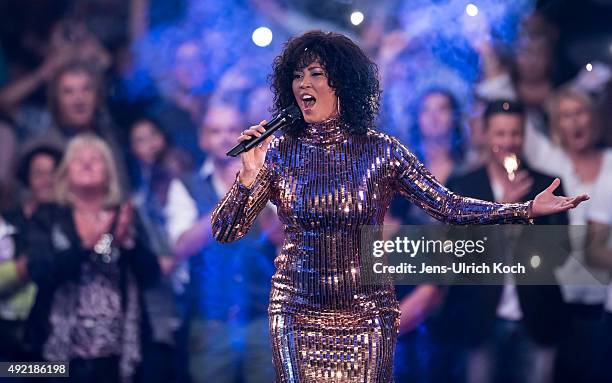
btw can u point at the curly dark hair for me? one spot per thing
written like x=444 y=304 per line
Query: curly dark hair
x=25 y=164
x=352 y=75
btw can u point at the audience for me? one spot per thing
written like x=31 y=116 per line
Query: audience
x=106 y=257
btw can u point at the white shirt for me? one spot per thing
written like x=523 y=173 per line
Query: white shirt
x=508 y=306
x=600 y=211
x=181 y=210
x=579 y=283
x=7 y=245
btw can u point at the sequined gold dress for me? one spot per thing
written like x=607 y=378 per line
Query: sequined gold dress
x=326 y=325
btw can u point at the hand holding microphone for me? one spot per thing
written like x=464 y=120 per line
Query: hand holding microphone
x=253 y=143
x=253 y=160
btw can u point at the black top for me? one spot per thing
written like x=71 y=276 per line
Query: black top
x=55 y=255
x=468 y=313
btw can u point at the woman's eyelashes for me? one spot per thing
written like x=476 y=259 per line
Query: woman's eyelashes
x=300 y=75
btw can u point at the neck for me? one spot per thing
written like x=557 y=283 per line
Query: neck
x=329 y=131
x=88 y=199
x=437 y=148
x=581 y=155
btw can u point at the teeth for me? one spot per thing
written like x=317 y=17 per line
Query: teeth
x=307 y=97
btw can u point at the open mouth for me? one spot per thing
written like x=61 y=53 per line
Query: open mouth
x=579 y=134
x=79 y=108
x=308 y=101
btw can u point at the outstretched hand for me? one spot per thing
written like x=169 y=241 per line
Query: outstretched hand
x=547 y=203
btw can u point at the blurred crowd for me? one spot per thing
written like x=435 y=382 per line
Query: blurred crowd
x=115 y=117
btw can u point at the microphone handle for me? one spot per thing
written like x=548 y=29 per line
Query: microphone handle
x=249 y=144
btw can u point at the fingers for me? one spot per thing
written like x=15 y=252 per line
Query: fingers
x=126 y=213
x=578 y=200
x=568 y=203
x=253 y=131
x=554 y=185
x=124 y=221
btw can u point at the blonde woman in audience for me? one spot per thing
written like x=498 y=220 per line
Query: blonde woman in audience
x=89 y=259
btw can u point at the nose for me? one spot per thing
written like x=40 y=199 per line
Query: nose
x=305 y=82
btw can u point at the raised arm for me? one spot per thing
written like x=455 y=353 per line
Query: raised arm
x=234 y=215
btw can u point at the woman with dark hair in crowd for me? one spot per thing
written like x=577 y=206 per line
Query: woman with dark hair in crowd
x=154 y=163
x=147 y=142
x=164 y=344
x=438 y=134
x=330 y=174
x=88 y=257
x=36 y=173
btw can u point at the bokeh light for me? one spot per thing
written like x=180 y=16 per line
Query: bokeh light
x=471 y=10
x=262 y=36
x=357 y=18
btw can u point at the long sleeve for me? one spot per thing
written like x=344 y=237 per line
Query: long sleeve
x=419 y=186
x=140 y=258
x=47 y=264
x=234 y=215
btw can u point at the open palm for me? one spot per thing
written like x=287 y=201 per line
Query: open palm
x=547 y=203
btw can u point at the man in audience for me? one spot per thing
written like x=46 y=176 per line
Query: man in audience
x=230 y=284
x=510 y=330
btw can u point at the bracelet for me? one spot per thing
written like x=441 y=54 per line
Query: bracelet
x=530 y=210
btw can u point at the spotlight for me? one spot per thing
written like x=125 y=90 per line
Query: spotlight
x=357 y=18
x=589 y=67
x=535 y=261
x=471 y=10
x=262 y=36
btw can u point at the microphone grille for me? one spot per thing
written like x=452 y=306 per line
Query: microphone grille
x=293 y=112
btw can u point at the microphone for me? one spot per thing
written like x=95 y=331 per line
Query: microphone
x=286 y=117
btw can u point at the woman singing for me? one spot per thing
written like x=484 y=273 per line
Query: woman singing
x=329 y=175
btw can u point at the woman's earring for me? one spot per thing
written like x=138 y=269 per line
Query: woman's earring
x=338 y=105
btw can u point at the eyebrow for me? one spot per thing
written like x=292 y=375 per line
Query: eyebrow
x=308 y=68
